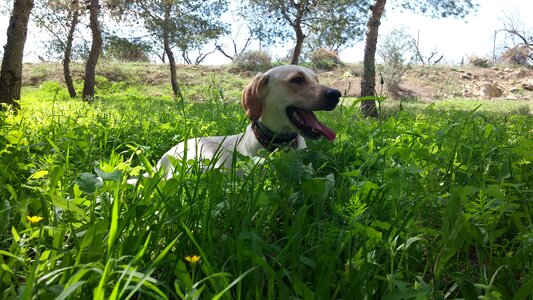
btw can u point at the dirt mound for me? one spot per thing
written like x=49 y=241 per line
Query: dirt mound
x=429 y=83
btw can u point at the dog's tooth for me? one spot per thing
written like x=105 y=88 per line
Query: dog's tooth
x=297 y=117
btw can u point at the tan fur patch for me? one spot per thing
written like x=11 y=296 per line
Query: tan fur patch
x=253 y=97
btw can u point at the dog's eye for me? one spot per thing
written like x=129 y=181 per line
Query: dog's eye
x=298 y=80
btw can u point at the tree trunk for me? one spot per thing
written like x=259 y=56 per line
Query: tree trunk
x=299 y=43
x=172 y=63
x=68 y=49
x=368 y=81
x=96 y=48
x=11 y=73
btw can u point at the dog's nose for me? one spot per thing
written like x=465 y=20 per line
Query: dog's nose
x=332 y=96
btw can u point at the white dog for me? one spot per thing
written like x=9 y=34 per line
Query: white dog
x=280 y=104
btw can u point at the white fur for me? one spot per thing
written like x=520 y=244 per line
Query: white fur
x=269 y=94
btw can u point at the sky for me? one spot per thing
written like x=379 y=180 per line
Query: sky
x=454 y=38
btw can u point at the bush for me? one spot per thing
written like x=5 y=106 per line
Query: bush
x=394 y=50
x=325 y=59
x=479 y=61
x=253 y=61
x=520 y=55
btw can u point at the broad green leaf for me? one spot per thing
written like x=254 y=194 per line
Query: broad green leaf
x=16 y=137
x=88 y=183
x=60 y=202
x=115 y=175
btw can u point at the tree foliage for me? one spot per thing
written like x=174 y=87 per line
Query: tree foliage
x=396 y=52
x=125 y=49
x=185 y=24
x=439 y=8
x=329 y=24
x=190 y=24
x=54 y=18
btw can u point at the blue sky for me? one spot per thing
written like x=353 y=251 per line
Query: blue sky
x=453 y=38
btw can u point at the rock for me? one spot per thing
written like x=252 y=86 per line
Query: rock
x=467 y=76
x=488 y=89
x=528 y=85
x=514 y=90
x=521 y=73
x=347 y=74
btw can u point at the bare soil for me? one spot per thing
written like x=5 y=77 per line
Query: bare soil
x=426 y=84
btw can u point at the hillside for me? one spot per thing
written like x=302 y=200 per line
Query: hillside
x=421 y=83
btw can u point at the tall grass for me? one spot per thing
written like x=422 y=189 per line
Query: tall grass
x=430 y=205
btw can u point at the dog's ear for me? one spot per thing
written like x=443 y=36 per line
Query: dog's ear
x=252 y=97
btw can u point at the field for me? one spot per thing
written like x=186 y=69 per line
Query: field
x=433 y=201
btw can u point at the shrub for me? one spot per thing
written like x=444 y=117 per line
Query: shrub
x=393 y=50
x=479 y=61
x=520 y=55
x=253 y=61
x=325 y=59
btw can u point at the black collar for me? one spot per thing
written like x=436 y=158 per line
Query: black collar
x=272 y=140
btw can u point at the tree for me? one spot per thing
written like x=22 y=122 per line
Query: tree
x=336 y=23
x=187 y=24
x=368 y=80
x=96 y=49
x=60 y=19
x=11 y=73
x=237 y=34
x=74 y=20
x=520 y=51
x=397 y=52
x=433 y=8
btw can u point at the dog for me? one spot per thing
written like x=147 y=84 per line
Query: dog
x=280 y=104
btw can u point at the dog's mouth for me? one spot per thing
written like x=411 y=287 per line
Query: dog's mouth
x=308 y=124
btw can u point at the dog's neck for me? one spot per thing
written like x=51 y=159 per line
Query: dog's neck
x=272 y=140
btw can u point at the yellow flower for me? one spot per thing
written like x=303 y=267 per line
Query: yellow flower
x=34 y=219
x=193 y=260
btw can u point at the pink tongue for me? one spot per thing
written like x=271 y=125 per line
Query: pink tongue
x=312 y=121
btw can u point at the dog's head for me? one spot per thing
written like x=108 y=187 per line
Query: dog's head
x=284 y=99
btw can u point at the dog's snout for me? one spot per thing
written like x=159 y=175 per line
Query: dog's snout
x=332 y=96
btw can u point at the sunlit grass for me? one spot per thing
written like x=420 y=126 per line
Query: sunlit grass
x=432 y=202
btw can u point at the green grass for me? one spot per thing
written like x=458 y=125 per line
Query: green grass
x=434 y=204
